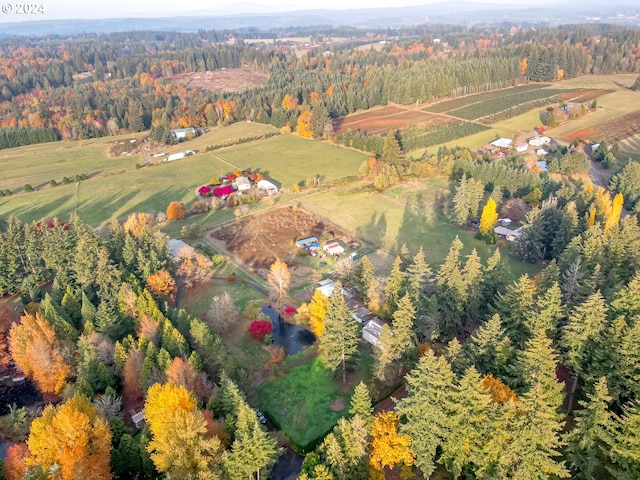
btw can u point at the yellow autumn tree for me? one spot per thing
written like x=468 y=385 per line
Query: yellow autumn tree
x=614 y=214
x=524 y=64
x=138 y=223
x=73 y=440
x=303 y=127
x=317 y=312
x=37 y=350
x=591 y=216
x=279 y=278
x=388 y=448
x=500 y=393
x=489 y=218
x=181 y=444
x=289 y=102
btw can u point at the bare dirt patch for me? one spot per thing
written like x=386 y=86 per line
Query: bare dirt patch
x=381 y=120
x=223 y=80
x=614 y=130
x=258 y=240
x=582 y=96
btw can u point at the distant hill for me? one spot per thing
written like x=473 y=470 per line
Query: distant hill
x=624 y=12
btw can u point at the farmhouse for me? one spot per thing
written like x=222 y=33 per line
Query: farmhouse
x=243 y=183
x=371 y=332
x=502 y=143
x=333 y=248
x=182 y=133
x=509 y=235
x=539 y=141
x=266 y=187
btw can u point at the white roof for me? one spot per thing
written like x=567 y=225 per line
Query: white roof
x=267 y=185
x=503 y=231
x=502 y=142
x=179 y=249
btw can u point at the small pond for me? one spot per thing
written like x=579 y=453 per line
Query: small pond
x=292 y=338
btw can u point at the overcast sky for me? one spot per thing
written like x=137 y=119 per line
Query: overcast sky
x=76 y=9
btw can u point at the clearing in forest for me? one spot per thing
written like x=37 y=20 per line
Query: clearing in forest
x=223 y=80
x=379 y=121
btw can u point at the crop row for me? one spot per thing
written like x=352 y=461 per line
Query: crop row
x=449 y=105
x=495 y=105
x=437 y=134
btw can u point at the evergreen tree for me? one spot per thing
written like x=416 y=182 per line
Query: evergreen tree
x=417 y=275
x=548 y=313
x=490 y=350
x=466 y=200
x=364 y=276
x=450 y=291
x=394 y=287
x=589 y=440
x=404 y=338
x=625 y=445
x=537 y=368
x=339 y=341
x=456 y=356
x=473 y=280
x=345 y=449
x=515 y=306
x=391 y=151
x=427 y=409
x=361 y=403
x=386 y=354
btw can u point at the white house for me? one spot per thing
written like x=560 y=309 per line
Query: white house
x=243 y=183
x=509 y=235
x=502 y=143
x=266 y=187
x=539 y=141
x=326 y=287
x=371 y=332
x=333 y=248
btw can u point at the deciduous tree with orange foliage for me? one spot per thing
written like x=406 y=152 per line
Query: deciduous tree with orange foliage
x=72 y=439
x=388 y=447
x=181 y=445
x=37 y=351
x=194 y=268
x=137 y=223
x=500 y=393
x=175 y=211
x=162 y=285
x=15 y=466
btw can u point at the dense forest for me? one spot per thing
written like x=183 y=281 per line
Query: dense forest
x=88 y=86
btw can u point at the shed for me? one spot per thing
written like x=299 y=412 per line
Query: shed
x=181 y=133
x=521 y=148
x=175 y=156
x=243 y=183
x=509 y=235
x=371 y=332
x=502 y=143
x=327 y=286
x=138 y=420
x=306 y=242
x=333 y=248
x=266 y=187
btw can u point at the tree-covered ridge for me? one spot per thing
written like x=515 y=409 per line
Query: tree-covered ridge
x=128 y=84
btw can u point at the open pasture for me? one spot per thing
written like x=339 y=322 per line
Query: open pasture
x=405 y=214
x=448 y=105
x=392 y=117
x=286 y=159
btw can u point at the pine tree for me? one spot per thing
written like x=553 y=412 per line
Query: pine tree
x=548 y=313
x=417 y=275
x=589 y=440
x=625 y=445
x=364 y=276
x=391 y=151
x=361 y=403
x=450 y=292
x=386 y=354
x=427 y=409
x=345 y=449
x=581 y=334
x=394 y=287
x=490 y=350
x=537 y=368
x=515 y=306
x=473 y=280
x=404 y=338
x=340 y=337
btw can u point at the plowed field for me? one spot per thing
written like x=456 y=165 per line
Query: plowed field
x=391 y=117
x=614 y=130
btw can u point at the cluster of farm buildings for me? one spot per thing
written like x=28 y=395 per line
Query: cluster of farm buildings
x=526 y=142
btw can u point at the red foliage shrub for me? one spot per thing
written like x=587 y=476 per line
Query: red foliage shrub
x=222 y=191
x=258 y=329
x=289 y=310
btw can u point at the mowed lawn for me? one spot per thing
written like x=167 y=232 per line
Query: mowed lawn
x=289 y=160
x=406 y=214
x=285 y=159
x=300 y=403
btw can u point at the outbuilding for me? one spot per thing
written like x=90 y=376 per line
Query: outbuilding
x=334 y=248
x=371 y=332
x=243 y=183
x=266 y=187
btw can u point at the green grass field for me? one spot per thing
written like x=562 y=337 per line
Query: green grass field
x=405 y=214
x=299 y=403
x=285 y=159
